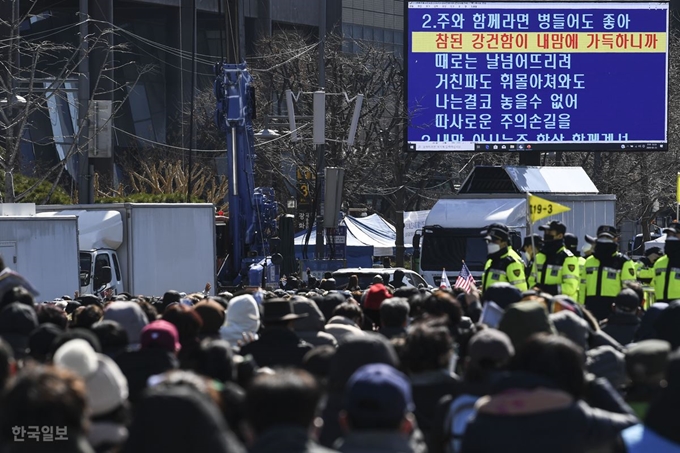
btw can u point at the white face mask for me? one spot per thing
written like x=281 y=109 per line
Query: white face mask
x=526 y=257
x=492 y=248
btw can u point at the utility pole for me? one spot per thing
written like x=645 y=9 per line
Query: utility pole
x=192 y=141
x=85 y=195
x=321 y=148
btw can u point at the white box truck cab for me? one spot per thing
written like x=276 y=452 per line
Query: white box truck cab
x=488 y=195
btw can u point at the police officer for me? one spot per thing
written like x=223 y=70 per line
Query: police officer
x=528 y=251
x=503 y=263
x=667 y=268
x=571 y=243
x=556 y=269
x=605 y=273
x=645 y=265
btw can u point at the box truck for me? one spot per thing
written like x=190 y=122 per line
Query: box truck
x=143 y=248
x=42 y=250
x=452 y=231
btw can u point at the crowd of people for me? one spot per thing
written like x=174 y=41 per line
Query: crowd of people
x=516 y=367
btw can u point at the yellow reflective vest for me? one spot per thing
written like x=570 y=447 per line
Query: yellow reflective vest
x=666 y=280
x=645 y=272
x=558 y=273
x=504 y=267
x=602 y=282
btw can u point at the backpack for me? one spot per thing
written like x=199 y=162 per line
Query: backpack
x=460 y=412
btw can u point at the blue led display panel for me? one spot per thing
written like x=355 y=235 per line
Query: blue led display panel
x=518 y=76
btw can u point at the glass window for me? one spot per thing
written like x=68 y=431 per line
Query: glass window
x=346 y=30
x=389 y=36
x=99 y=263
x=116 y=268
x=378 y=35
x=141 y=115
x=448 y=247
x=85 y=263
x=63 y=112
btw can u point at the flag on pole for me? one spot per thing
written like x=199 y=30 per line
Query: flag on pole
x=465 y=279
x=540 y=208
x=445 y=284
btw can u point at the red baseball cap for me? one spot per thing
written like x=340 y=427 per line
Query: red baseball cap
x=160 y=335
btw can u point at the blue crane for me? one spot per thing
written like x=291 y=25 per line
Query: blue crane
x=252 y=211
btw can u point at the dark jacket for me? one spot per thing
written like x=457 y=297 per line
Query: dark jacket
x=439 y=437
x=375 y=442
x=179 y=419
x=286 y=439
x=528 y=414
x=310 y=327
x=392 y=332
x=428 y=389
x=138 y=366
x=277 y=346
x=351 y=355
x=621 y=326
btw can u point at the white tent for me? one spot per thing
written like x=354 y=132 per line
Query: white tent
x=366 y=237
x=658 y=242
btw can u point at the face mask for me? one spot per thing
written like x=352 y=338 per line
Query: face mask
x=526 y=257
x=604 y=250
x=548 y=238
x=492 y=248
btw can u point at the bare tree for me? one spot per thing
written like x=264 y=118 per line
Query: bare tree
x=35 y=72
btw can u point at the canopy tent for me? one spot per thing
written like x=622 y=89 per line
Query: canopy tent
x=366 y=237
x=658 y=242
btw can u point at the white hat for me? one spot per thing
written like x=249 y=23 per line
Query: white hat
x=107 y=387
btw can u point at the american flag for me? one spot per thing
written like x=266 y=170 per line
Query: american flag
x=465 y=280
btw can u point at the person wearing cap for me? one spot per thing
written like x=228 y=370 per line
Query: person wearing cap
x=539 y=406
x=666 y=280
x=503 y=264
x=531 y=245
x=378 y=411
x=278 y=344
x=623 y=322
x=645 y=265
x=571 y=243
x=605 y=273
x=555 y=270
x=646 y=363
x=106 y=392
x=660 y=432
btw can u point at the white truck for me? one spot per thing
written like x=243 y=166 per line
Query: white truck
x=143 y=248
x=44 y=251
x=452 y=230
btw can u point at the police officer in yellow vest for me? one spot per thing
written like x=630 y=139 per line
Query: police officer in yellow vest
x=571 y=243
x=503 y=263
x=530 y=247
x=605 y=273
x=556 y=269
x=645 y=265
x=667 y=268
